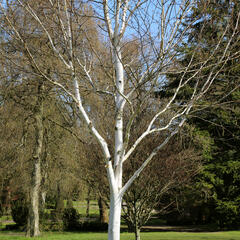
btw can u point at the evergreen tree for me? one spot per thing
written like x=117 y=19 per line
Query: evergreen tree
x=218 y=120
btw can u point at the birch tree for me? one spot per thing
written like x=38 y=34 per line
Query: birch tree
x=157 y=29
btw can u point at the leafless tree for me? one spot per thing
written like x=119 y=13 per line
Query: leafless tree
x=79 y=51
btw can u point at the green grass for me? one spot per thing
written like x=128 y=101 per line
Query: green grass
x=81 y=207
x=229 y=235
x=5 y=220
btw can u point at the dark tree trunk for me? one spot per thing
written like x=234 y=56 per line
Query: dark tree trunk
x=69 y=203
x=103 y=211
x=59 y=208
x=88 y=203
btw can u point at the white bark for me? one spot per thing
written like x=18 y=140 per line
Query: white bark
x=119 y=116
x=120 y=99
x=114 y=216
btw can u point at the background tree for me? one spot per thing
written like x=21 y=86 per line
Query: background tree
x=13 y=54
x=218 y=120
x=174 y=167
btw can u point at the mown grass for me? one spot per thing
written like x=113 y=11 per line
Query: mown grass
x=81 y=207
x=5 y=220
x=228 y=235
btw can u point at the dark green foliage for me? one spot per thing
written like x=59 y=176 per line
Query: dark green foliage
x=19 y=210
x=50 y=202
x=71 y=219
x=52 y=226
x=48 y=222
x=72 y=222
x=220 y=177
x=94 y=226
x=59 y=208
x=217 y=124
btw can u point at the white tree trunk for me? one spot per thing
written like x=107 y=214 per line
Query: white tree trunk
x=115 y=196
x=119 y=115
x=115 y=217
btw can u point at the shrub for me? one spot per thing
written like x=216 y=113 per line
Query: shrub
x=49 y=222
x=71 y=219
x=19 y=211
x=52 y=226
x=94 y=226
x=71 y=222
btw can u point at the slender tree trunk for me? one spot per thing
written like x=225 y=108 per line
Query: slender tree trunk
x=137 y=232
x=88 y=203
x=115 y=217
x=59 y=208
x=136 y=226
x=69 y=202
x=33 y=221
x=103 y=213
x=43 y=199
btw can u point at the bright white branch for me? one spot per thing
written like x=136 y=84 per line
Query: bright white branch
x=107 y=19
x=153 y=153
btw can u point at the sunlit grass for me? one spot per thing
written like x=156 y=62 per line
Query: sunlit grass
x=228 y=235
x=81 y=207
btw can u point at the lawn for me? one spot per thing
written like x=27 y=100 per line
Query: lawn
x=228 y=235
x=81 y=206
